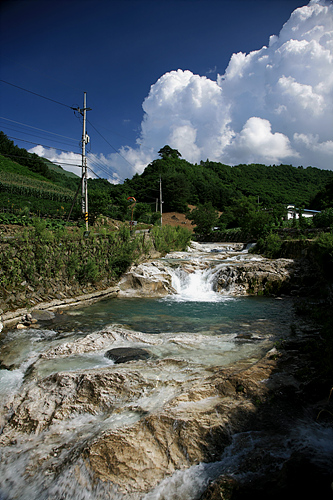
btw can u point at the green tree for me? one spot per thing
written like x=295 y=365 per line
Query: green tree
x=168 y=152
x=205 y=217
x=249 y=215
x=324 y=218
x=176 y=192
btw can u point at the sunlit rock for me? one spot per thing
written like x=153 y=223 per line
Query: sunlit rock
x=148 y=279
x=73 y=420
x=264 y=276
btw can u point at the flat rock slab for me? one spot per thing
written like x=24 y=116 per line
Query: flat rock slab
x=125 y=354
x=42 y=315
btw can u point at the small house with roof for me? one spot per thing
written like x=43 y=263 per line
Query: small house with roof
x=293 y=212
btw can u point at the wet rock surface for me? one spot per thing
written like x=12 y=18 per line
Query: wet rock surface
x=191 y=422
x=147 y=279
x=125 y=354
x=264 y=276
x=119 y=431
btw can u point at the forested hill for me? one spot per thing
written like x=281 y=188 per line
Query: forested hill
x=184 y=183
x=30 y=182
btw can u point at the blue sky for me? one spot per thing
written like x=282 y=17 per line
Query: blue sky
x=124 y=53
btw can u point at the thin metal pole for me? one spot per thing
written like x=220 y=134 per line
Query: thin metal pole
x=85 y=140
x=161 y=200
x=84 y=163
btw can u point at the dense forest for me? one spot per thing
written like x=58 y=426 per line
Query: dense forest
x=184 y=183
x=28 y=181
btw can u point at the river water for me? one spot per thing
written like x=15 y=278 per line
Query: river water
x=195 y=327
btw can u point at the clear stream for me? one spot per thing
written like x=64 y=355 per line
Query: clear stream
x=195 y=324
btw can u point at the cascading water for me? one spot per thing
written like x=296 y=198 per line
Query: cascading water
x=60 y=396
x=196 y=286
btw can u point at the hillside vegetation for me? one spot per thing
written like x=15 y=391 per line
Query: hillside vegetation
x=30 y=184
x=184 y=183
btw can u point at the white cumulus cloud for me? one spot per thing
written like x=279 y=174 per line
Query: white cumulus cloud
x=270 y=106
x=257 y=143
x=67 y=160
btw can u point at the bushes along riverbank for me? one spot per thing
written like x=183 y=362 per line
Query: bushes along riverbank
x=40 y=265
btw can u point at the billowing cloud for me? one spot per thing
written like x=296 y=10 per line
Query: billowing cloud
x=257 y=143
x=272 y=105
x=68 y=160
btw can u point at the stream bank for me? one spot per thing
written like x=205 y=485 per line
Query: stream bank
x=169 y=425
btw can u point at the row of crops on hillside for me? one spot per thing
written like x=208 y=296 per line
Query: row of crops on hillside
x=37 y=193
x=20 y=185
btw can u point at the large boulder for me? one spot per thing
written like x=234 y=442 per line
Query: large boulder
x=148 y=279
x=262 y=276
x=125 y=354
x=42 y=315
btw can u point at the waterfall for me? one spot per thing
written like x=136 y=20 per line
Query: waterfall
x=55 y=380
x=196 y=286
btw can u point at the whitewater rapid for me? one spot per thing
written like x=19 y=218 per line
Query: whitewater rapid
x=60 y=396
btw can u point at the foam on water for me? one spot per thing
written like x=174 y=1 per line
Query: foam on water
x=185 y=333
x=197 y=286
x=245 y=459
x=76 y=362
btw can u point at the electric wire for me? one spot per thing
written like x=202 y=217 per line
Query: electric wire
x=130 y=164
x=40 y=129
x=91 y=170
x=44 y=145
x=53 y=163
x=35 y=93
x=93 y=160
x=105 y=168
x=102 y=167
x=74 y=109
x=93 y=157
x=35 y=135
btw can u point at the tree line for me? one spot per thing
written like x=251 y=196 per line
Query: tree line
x=252 y=192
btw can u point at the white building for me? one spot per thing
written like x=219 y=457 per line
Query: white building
x=294 y=212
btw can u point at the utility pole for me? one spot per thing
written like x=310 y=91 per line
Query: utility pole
x=161 y=199
x=84 y=141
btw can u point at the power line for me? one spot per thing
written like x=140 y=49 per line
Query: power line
x=111 y=145
x=93 y=160
x=105 y=168
x=40 y=129
x=64 y=163
x=91 y=170
x=112 y=175
x=44 y=145
x=53 y=163
x=74 y=109
x=35 y=93
x=6 y=127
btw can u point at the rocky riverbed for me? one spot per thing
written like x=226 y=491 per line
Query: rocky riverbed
x=161 y=425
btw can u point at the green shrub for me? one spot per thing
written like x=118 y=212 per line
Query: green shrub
x=323 y=253
x=168 y=238
x=91 y=271
x=119 y=265
x=269 y=246
x=324 y=218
